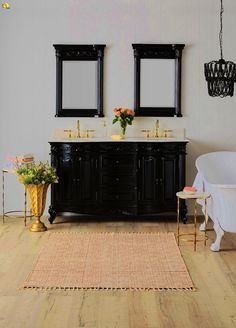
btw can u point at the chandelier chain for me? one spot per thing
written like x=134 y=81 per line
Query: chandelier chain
x=221 y=29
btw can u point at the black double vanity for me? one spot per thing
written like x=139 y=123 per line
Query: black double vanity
x=117 y=179
x=129 y=178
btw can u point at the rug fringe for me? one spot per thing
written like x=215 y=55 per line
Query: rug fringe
x=112 y=232
x=110 y=288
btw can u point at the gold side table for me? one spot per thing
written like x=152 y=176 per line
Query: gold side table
x=195 y=197
x=16 y=214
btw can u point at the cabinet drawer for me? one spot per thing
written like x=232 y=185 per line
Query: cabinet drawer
x=126 y=196
x=118 y=162
x=125 y=180
x=119 y=148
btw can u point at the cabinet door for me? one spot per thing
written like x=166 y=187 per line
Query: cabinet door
x=169 y=178
x=148 y=178
x=64 y=192
x=86 y=177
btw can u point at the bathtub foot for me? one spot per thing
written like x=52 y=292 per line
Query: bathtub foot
x=215 y=247
x=202 y=227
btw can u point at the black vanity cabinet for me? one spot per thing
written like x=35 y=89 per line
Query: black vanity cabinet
x=117 y=178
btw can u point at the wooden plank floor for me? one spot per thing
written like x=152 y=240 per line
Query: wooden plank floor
x=212 y=305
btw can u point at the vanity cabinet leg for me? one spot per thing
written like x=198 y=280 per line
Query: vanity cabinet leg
x=52 y=214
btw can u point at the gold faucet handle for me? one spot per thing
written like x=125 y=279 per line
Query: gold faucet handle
x=147 y=131
x=88 y=131
x=69 y=131
x=166 y=131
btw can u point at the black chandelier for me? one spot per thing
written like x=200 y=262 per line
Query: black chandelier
x=220 y=75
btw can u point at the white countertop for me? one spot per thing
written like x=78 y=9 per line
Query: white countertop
x=127 y=139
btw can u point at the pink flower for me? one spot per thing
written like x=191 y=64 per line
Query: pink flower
x=117 y=114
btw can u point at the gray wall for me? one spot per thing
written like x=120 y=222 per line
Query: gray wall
x=27 y=66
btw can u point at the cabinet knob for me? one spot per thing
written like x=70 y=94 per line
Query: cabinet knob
x=117 y=197
x=117 y=162
x=117 y=179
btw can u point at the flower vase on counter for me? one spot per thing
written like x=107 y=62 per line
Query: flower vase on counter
x=125 y=116
x=123 y=129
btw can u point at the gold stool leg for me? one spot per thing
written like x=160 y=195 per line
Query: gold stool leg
x=25 y=206
x=205 y=222
x=195 y=225
x=178 y=220
x=3 y=198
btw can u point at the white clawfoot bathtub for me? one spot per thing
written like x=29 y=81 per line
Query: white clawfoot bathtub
x=217 y=175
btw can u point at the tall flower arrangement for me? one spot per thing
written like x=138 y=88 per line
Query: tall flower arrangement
x=37 y=178
x=125 y=116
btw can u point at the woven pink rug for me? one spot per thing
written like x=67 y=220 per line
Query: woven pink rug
x=110 y=261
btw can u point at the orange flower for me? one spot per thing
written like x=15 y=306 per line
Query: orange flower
x=122 y=110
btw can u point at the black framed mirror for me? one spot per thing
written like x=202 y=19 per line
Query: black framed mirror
x=157 y=78
x=79 y=80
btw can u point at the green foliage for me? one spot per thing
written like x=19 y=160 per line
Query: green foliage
x=33 y=173
x=116 y=119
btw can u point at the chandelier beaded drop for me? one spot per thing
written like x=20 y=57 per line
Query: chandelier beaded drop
x=220 y=75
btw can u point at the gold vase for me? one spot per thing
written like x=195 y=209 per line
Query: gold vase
x=37 y=195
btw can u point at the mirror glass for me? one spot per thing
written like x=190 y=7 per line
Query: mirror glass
x=79 y=84
x=157 y=82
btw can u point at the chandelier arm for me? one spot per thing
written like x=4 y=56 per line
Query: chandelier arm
x=221 y=29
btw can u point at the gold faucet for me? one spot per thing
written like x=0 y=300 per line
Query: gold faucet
x=157 y=129
x=78 y=129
